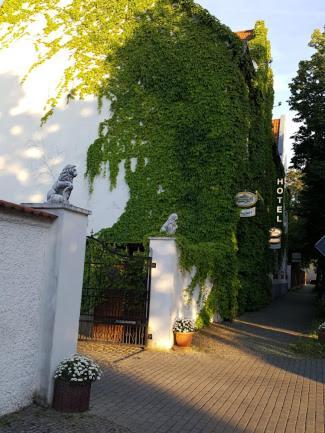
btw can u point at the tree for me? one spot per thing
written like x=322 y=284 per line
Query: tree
x=308 y=100
x=295 y=184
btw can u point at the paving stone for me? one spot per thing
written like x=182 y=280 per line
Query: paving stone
x=39 y=420
x=241 y=378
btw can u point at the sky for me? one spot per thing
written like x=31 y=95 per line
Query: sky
x=290 y=24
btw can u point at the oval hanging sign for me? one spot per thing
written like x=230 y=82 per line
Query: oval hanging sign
x=275 y=232
x=246 y=199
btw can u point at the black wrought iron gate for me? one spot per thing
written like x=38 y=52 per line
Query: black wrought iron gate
x=116 y=294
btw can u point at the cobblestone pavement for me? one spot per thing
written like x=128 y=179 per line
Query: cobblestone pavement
x=268 y=331
x=239 y=383
x=35 y=419
x=107 y=353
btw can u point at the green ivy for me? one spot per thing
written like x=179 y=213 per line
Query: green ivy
x=190 y=120
x=254 y=256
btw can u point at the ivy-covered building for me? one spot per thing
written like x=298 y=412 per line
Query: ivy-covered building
x=185 y=124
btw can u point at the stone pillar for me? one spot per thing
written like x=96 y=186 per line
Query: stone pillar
x=163 y=308
x=62 y=293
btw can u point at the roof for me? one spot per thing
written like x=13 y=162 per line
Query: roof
x=26 y=210
x=276 y=129
x=245 y=35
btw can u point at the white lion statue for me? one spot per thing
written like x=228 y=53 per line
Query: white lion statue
x=170 y=225
x=61 y=189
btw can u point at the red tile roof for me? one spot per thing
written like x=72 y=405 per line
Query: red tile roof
x=26 y=210
x=245 y=35
x=276 y=129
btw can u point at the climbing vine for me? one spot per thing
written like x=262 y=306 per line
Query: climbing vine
x=254 y=257
x=189 y=118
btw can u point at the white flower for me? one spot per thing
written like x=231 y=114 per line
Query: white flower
x=78 y=369
x=184 y=325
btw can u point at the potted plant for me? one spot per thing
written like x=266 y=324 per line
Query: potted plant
x=321 y=333
x=73 y=378
x=183 y=331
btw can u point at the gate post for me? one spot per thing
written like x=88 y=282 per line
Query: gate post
x=61 y=301
x=163 y=308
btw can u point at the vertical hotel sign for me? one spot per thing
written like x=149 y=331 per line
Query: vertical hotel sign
x=279 y=199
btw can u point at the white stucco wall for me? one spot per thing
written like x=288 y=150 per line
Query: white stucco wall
x=41 y=273
x=31 y=157
x=23 y=275
x=169 y=299
x=60 y=308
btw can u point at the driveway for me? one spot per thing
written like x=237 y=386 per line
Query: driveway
x=241 y=378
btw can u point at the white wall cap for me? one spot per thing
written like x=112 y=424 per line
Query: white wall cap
x=66 y=206
x=162 y=238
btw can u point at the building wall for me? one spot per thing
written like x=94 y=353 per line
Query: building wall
x=31 y=157
x=23 y=275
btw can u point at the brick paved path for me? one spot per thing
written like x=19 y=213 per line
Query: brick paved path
x=268 y=331
x=247 y=381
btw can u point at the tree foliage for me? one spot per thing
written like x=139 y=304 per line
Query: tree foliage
x=308 y=101
x=295 y=185
x=294 y=188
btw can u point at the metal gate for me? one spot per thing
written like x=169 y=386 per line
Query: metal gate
x=116 y=293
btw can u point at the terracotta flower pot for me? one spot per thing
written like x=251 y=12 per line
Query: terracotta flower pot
x=321 y=335
x=183 y=339
x=71 y=397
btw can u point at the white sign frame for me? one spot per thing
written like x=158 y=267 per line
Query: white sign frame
x=247 y=213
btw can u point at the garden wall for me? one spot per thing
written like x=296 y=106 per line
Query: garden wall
x=41 y=269
x=24 y=269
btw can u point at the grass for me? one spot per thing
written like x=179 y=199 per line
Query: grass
x=5 y=421
x=309 y=346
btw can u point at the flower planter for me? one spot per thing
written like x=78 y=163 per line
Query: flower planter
x=71 y=397
x=321 y=335
x=73 y=378
x=183 y=339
